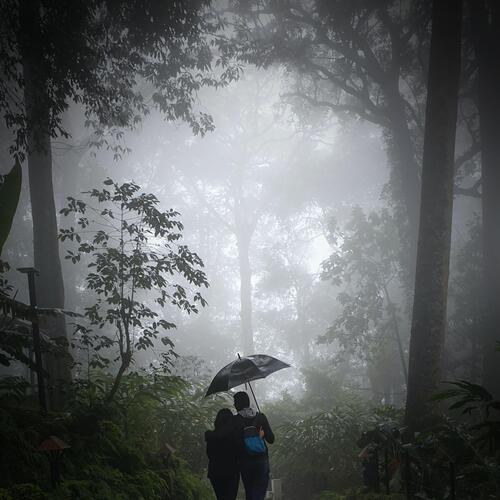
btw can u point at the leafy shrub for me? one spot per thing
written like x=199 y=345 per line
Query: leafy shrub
x=5 y=495
x=85 y=490
x=330 y=495
x=134 y=251
x=183 y=484
x=102 y=463
x=18 y=437
x=319 y=452
x=27 y=492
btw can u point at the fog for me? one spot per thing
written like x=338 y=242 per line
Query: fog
x=296 y=212
x=284 y=174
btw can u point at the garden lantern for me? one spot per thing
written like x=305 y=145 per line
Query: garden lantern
x=53 y=447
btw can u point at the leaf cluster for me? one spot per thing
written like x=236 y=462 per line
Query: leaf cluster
x=136 y=266
x=117 y=60
x=366 y=265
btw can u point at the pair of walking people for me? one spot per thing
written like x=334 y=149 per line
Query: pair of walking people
x=237 y=446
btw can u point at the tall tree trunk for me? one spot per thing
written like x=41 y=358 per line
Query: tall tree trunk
x=405 y=176
x=243 y=230
x=50 y=288
x=300 y=308
x=243 y=241
x=485 y=16
x=391 y=309
x=433 y=253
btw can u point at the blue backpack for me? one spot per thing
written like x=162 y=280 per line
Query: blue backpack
x=253 y=443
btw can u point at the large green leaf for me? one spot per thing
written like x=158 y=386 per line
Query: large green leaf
x=10 y=189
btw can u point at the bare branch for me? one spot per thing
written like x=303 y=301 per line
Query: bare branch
x=340 y=108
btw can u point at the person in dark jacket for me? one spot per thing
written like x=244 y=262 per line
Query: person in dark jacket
x=222 y=453
x=254 y=468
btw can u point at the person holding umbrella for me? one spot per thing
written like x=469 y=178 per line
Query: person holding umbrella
x=252 y=431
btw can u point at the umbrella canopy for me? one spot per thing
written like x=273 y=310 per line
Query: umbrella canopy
x=244 y=370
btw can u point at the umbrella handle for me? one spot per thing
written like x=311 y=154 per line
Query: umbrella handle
x=253 y=394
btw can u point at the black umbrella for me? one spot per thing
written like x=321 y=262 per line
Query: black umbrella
x=243 y=371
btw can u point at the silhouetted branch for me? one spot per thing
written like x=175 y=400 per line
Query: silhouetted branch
x=472 y=191
x=468 y=155
x=339 y=108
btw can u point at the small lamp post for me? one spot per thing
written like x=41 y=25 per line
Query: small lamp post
x=53 y=447
x=31 y=272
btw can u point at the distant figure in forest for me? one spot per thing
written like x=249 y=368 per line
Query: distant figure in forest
x=252 y=431
x=223 y=470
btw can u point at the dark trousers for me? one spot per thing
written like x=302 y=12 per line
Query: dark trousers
x=255 y=477
x=226 y=487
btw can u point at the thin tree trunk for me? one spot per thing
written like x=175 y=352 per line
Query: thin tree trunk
x=433 y=253
x=243 y=231
x=485 y=18
x=243 y=241
x=397 y=335
x=300 y=309
x=126 y=359
x=50 y=288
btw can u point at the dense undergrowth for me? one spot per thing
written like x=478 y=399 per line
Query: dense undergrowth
x=137 y=448
x=318 y=445
x=148 y=444
x=101 y=463
x=316 y=448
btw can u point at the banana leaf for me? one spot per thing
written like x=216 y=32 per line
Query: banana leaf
x=10 y=190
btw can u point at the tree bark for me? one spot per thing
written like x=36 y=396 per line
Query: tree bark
x=50 y=288
x=485 y=17
x=126 y=359
x=406 y=182
x=433 y=252
x=395 y=324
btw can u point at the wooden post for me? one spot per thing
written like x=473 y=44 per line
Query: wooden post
x=386 y=471
x=452 y=481
x=42 y=400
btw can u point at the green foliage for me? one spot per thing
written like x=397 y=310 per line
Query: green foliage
x=102 y=463
x=474 y=443
x=318 y=439
x=183 y=484
x=366 y=265
x=100 y=55
x=354 y=495
x=365 y=261
x=13 y=388
x=152 y=411
x=468 y=446
x=19 y=434
x=134 y=248
x=319 y=452
x=10 y=190
x=16 y=337
x=28 y=492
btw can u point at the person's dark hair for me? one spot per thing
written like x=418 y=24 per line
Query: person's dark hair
x=241 y=400
x=223 y=417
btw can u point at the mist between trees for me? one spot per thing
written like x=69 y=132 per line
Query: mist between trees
x=315 y=180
